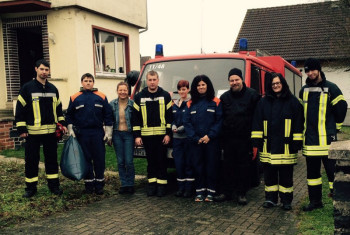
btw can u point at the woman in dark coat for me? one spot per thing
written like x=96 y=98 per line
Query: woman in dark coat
x=277 y=133
x=202 y=121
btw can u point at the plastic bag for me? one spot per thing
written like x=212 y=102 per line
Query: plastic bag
x=73 y=163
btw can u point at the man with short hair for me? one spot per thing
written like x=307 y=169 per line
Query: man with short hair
x=152 y=118
x=238 y=108
x=38 y=111
x=87 y=114
x=324 y=110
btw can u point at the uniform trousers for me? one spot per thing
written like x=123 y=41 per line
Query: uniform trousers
x=205 y=161
x=313 y=165
x=156 y=159
x=182 y=158
x=32 y=158
x=278 y=181
x=93 y=146
x=236 y=166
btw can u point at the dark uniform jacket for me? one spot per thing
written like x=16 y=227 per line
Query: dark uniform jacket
x=38 y=108
x=89 y=109
x=324 y=110
x=277 y=128
x=178 y=113
x=203 y=118
x=238 y=111
x=152 y=114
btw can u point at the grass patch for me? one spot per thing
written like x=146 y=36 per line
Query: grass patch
x=111 y=159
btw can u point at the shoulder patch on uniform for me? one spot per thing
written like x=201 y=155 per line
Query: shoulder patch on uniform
x=216 y=100
x=189 y=103
x=73 y=97
x=100 y=94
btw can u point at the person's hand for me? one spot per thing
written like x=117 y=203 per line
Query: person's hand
x=138 y=141
x=23 y=135
x=70 y=130
x=108 y=134
x=65 y=130
x=255 y=153
x=166 y=140
x=174 y=128
x=205 y=139
x=109 y=142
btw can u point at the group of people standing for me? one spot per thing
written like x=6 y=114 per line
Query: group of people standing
x=241 y=124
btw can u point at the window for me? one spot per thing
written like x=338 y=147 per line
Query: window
x=255 y=78
x=109 y=53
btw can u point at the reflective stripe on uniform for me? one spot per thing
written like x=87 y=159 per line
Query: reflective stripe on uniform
x=152 y=180
x=285 y=190
x=44 y=129
x=287 y=128
x=52 y=176
x=265 y=135
x=148 y=131
x=54 y=106
x=162 y=181
x=336 y=100
x=314 y=182
x=297 y=136
x=275 y=159
x=339 y=125
x=22 y=101
x=330 y=185
x=322 y=119
x=21 y=124
x=273 y=188
x=257 y=134
x=31 y=180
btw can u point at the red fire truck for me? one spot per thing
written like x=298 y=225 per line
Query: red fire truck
x=253 y=65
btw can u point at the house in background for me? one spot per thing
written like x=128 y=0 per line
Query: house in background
x=297 y=32
x=100 y=37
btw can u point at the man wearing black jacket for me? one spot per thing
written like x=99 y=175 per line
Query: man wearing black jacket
x=38 y=110
x=238 y=108
x=152 y=118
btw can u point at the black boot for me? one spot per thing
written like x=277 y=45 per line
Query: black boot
x=151 y=189
x=29 y=193
x=161 y=190
x=312 y=206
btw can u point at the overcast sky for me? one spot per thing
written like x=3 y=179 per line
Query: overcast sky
x=187 y=26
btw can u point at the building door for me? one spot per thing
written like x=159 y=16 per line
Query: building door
x=30 y=49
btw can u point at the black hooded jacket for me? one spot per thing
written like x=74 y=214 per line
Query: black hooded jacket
x=278 y=127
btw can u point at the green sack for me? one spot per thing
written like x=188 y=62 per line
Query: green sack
x=73 y=163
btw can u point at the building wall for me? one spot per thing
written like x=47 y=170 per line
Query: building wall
x=72 y=54
x=2 y=72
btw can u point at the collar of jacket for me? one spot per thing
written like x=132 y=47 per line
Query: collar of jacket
x=239 y=93
x=183 y=102
x=92 y=90
x=145 y=91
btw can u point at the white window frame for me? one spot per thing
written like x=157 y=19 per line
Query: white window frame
x=99 y=57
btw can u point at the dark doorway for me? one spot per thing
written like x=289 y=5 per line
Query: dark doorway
x=30 y=49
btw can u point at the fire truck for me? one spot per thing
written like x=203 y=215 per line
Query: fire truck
x=254 y=65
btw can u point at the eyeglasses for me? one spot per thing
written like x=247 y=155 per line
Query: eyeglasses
x=276 y=84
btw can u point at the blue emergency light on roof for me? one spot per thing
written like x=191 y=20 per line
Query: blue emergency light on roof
x=294 y=63
x=243 y=44
x=159 y=50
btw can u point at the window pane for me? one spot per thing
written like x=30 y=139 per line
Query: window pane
x=108 y=53
x=120 y=54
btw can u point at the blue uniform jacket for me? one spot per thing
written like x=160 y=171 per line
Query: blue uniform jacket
x=178 y=113
x=203 y=118
x=128 y=112
x=89 y=110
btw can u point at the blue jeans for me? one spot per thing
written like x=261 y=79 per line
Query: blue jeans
x=123 y=143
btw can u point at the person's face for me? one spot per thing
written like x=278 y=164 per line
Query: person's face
x=276 y=85
x=42 y=71
x=87 y=83
x=183 y=91
x=236 y=83
x=152 y=82
x=202 y=88
x=313 y=74
x=122 y=92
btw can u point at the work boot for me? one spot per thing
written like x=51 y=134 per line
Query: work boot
x=151 y=190
x=286 y=206
x=161 y=191
x=242 y=200
x=29 y=193
x=221 y=198
x=130 y=190
x=188 y=193
x=312 y=206
x=269 y=204
x=99 y=191
x=57 y=191
x=123 y=190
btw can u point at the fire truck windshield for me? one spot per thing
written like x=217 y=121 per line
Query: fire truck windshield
x=171 y=72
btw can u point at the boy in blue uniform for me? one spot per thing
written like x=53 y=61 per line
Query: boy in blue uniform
x=88 y=112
